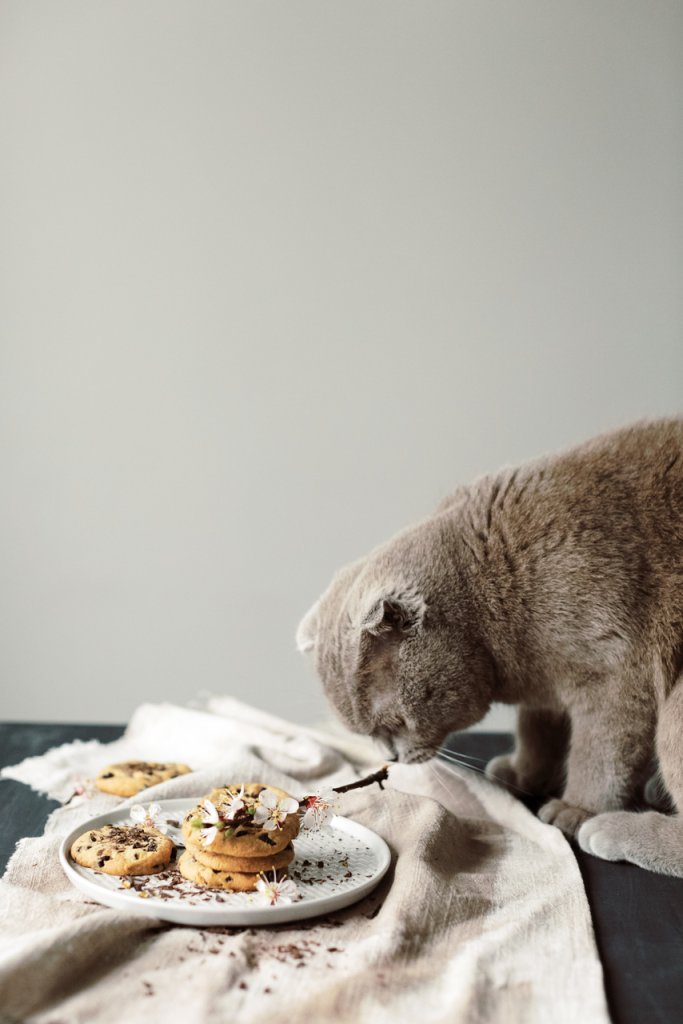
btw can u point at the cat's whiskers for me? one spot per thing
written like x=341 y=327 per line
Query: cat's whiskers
x=459 y=753
x=438 y=777
x=448 y=756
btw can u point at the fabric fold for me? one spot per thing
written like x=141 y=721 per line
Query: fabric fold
x=482 y=916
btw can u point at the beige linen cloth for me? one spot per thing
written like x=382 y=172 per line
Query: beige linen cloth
x=482 y=917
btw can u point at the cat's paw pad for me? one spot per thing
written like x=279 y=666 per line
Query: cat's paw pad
x=607 y=835
x=564 y=816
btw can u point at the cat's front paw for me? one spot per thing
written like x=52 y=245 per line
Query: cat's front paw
x=649 y=839
x=657 y=795
x=564 y=816
x=503 y=769
x=607 y=835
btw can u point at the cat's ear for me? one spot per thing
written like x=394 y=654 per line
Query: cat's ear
x=394 y=614
x=307 y=633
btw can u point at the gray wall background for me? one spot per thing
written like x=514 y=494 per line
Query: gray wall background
x=274 y=277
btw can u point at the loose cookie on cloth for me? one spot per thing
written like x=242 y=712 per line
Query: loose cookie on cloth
x=123 y=850
x=213 y=878
x=243 y=820
x=129 y=777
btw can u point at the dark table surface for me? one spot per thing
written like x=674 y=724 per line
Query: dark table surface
x=637 y=916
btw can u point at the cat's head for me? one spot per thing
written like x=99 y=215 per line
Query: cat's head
x=395 y=647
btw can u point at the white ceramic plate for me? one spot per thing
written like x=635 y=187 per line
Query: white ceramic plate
x=353 y=859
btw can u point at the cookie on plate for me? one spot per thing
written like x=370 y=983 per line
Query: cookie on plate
x=129 y=777
x=213 y=878
x=123 y=850
x=238 y=834
x=276 y=861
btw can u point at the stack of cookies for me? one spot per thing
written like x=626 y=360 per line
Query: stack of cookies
x=227 y=848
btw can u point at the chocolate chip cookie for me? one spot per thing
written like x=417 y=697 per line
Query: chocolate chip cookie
x=129 y=777
x=123 y=850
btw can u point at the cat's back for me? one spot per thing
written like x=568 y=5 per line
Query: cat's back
x=627 y=477
x=627 y=483
x=648 y=456
x=601 y=523
x=582 y=551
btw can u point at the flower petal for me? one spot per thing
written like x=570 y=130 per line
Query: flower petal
x=212 y=813
x=209 y=834
x=138 y=813
x=268 y=799
x=308 y=820
x=289 y=805
x=234 y=806
x=261 y=814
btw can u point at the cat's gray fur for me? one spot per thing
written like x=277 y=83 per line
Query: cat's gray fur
x=556 y=586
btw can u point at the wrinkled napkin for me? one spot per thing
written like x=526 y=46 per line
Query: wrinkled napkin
x=482 y=917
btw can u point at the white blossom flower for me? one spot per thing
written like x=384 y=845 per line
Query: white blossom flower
x=84 y=789
x=273 y=892
x=211 y=824
x=271 y=811
x=320 y=808
x=236 y=804
x=150 y=817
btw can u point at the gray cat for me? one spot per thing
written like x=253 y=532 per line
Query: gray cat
x=556 y=586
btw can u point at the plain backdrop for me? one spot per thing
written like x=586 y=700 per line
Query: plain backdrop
x=275 y=277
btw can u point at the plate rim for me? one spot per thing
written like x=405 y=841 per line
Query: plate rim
x=208 y=914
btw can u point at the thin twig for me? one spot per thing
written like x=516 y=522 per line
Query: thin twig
x=379 y=777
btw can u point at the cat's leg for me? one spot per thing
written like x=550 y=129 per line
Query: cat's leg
x=537 y=764
x=651 y=839
x=657 y=795
x=612 y=737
